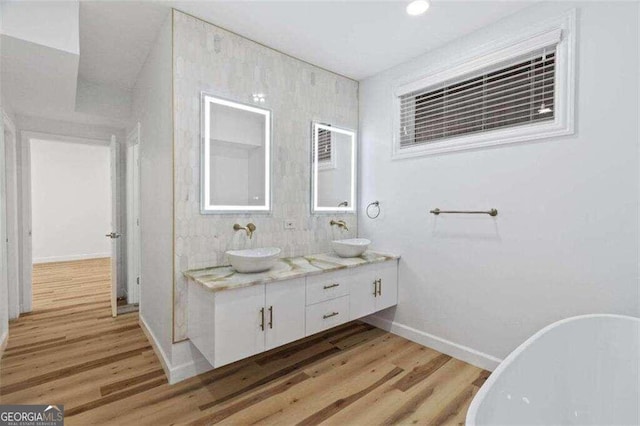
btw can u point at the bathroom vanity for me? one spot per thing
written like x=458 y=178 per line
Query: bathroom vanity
x=234 y=316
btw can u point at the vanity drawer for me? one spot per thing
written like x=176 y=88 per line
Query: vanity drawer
x=327 y=286
x=324 y=315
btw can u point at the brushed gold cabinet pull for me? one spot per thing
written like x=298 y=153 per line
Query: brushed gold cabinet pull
x=270 y=316
x=379 y=286
x=262 y=319
x=332 y=314
x=331 y=286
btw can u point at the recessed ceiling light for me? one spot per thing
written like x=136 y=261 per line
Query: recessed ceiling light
x=417 y=7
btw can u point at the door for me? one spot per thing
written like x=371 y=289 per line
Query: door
x=387 y=276
x=113 y=233
x=240 y=321
x=285 y=312
x=133 y=216
x=362 y=298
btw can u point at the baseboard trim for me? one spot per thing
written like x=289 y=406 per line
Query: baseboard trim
x=197 y=365
x=463 y=353
x=4 y=340
x=156 y=347
x=54 y=259
x=191 y=368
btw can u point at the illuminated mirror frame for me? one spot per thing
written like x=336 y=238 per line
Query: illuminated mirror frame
x=315 y=130
x=205 y=199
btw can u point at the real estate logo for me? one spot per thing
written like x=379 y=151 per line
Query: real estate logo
x=31 y=415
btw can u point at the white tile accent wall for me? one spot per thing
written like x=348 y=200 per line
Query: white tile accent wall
x=208 y=58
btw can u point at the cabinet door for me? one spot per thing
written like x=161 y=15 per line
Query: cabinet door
x=362 y=299
x=285 y=312
x=387 y=273
x=239 y=323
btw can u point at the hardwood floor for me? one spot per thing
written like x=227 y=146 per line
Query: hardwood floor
x=70 y=351
x=63 y=284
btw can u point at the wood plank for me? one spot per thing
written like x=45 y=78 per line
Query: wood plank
x=73 y=369
x=335 y=378
x=421 y=372
x=342 y=403
x=270 y=378
x=432 y=400
x=220 y=415
x=122 y=384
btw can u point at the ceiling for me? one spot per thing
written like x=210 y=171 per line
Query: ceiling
x=353 y=38
x=115 y=38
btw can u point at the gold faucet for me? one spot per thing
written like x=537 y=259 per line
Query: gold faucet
x=250 y=228
x=339 y=223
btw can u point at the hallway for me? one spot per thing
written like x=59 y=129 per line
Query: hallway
x=65 y=284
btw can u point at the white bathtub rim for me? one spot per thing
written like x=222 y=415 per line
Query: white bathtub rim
x=484 y=389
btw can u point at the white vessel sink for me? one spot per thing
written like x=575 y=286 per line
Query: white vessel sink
x=253 y=260
x=351 y=247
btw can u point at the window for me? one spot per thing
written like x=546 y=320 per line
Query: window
x=512 y=95
x=521 y=92
x=326 y=153
x=324 y=146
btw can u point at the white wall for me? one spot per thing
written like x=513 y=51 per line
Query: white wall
x=12 y=215
x=152 y=107
x=71 y=201
x=566 y=239
x=52 y=24
x=102 y=101
x=4 y=308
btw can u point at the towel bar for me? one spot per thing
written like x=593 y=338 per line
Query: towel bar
x=492 y=212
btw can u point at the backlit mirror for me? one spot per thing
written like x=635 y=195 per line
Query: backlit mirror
x=333 y=169
x=236 y=151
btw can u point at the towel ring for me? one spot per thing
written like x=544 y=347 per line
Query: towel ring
x=375 y=204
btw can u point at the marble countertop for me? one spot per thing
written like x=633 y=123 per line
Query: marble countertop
x=226 y=278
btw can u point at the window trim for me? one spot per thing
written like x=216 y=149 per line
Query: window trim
x=560 y=30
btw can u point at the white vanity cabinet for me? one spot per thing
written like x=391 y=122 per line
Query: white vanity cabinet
x=373 y=288
x=232 y=320
x=230 y=325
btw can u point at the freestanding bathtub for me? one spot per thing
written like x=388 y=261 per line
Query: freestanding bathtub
x=578 y=371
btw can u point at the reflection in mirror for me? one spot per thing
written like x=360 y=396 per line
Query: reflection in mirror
x=235 y=156
x=333 y=166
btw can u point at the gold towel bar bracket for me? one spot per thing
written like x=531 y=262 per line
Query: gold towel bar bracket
x=492 y=212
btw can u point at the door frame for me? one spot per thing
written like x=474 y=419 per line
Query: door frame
x=133 y=215
x=12 y=219
x=115 y=225
x=26 y=212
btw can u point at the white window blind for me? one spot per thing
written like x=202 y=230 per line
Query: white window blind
x=513 y=93
x=324 y=145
